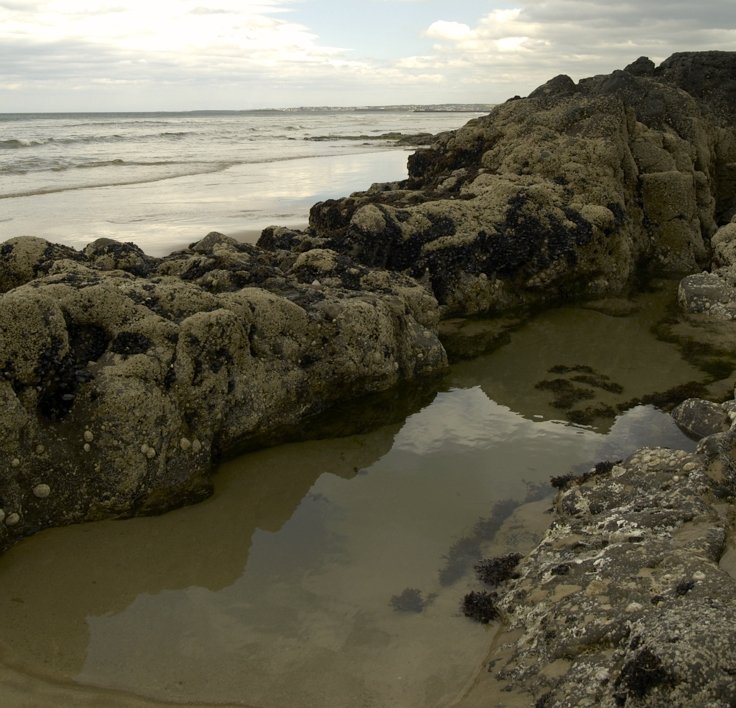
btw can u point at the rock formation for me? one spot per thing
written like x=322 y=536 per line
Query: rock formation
x=630 y=598
x=575 y=191
x=124 y=376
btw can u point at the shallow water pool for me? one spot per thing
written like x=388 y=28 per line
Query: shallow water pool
x=285 y=588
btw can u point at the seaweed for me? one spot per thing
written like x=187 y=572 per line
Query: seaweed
x=566 y=394
x=641 y=674
x=480 y=606
x=586 y=416
x=409 y=600
x=667 y=400
x=562 y=481
x=599 y=381
x=494 y=571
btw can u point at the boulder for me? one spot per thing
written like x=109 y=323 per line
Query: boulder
x=123 y=377
x=698 y=418
x=573 y=192
x=708 y=293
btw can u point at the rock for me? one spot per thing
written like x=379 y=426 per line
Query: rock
x=707 y=293
x=125 y=377
x=708 y=76
x=211 y=241
x=24 y=258
x=561 y=85
x=724 y=246
x=698 y=418
x=280 y=238
x=623 y=602
x=107 y=254
x=643 y=66
x=571 y=193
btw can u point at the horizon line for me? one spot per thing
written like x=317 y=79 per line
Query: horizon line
x=469 y=106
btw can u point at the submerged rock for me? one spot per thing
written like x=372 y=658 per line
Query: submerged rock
x=122 y=377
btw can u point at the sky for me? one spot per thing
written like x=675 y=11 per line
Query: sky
x=117 y=55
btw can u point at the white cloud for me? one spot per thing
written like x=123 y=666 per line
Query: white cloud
x=524 y=46
x=239 y=53
x=448 y=30
x=166 y=26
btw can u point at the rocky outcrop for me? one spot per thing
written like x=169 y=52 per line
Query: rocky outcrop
x=713 y=294
x=575 y=191
x=630 y=598
x=122 y=377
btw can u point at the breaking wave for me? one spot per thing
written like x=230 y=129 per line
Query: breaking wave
x=18 y=144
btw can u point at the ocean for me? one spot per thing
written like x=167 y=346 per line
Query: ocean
x=164 y=180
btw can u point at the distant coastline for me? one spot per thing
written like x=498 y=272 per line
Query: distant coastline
x=408 y=108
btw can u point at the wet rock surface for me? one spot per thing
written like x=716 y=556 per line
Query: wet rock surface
x=123 y=377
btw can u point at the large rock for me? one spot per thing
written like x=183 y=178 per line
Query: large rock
x=629 y=599
x=713 y=294
x=123 y=377
x=698 y=418
x=575 y=191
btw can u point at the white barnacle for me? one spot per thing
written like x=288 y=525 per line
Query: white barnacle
x=150 y=453
x=12 y=519
x=41 y=491
x=144 y=449
x=15 y=462
x=196 y=445
x=185 y=443
x=89 y=436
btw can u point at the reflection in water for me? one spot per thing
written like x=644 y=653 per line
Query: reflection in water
x=621 y=352
x=277 y=591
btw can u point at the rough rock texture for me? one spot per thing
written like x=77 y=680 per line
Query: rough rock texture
x=624 y=601
x=574 y=191
x=698 y=418
x=714 y=294
x=123 y=376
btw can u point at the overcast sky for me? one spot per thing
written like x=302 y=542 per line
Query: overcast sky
x=63 y=55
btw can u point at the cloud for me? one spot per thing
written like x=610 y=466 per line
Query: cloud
x=230 y=53
x=448 y=30
x=522 y=47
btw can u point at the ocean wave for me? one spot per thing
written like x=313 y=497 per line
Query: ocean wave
x=39 y=167
x=117 y=162
x=333 y=137
x=202 y=169
x=16 y=143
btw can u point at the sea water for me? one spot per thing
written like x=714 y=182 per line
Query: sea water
x=163 y=180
